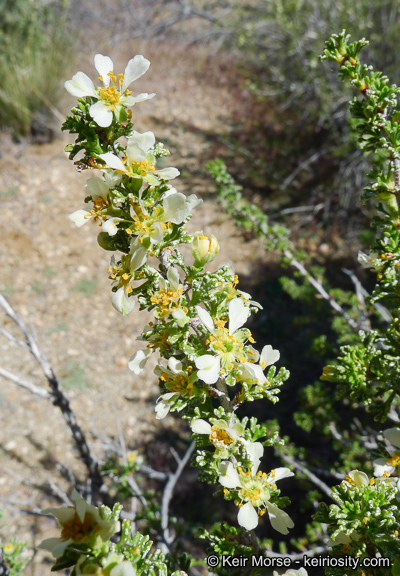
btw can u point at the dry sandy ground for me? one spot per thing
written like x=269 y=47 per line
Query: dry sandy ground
x=55 y=276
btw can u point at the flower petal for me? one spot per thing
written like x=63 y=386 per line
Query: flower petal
x=280 y=521
x=113 y=161
x=359 y=478
x=229 y=477
x=135 y=68
x=139 y=257
x=280 y=473
x=164 y=404
x=175 y=365
x=55 y=545
x=381 y=466
x=101 y=114
x=176 y=208
x=269 y=356
x=248 y=517
x=205 y=319
x=124 y=568
x=253 y=371
x=104 y=65
x=132 y=100
x=168 y=174
x=97 y=188
x=393 y=435
x=173 y=278
x=209 y=367
x=143 y=142
x=79 y=217
x=238 y=314
x=200 y=426
x=110 y=226
x=255 y=451
x=122 y=303
x=80 y=86
x=138 y=361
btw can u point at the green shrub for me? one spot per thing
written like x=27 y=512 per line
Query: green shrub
x=33 y=43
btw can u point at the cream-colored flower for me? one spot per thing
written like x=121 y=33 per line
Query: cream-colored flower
x=114 y=95
x=81 y=523
x=254 y=494
x=224 y=436
x=99 y=191
x=165 y=403
x=357 y=478
x=139 y=161
x=111 y=565
x=204 y=249
x=226 y=344
x=138 y=361
x=386 y=466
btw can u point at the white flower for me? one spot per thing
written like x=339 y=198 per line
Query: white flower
x=140 y=161
x=80 y=524
x=115 y=94
x=368 y=260
x=99 y=190
x=149 y=228
x=224 y=436
x=229 y=287
x=204 y=249
x=139 y=360
x=357 y=478
x=168 y=298
x=254 y=494
x=176 y=377
x=123 y=276
x=256 y=371
x=226 y=343
x=111 y=565
x=165 y=403
x=386 y=466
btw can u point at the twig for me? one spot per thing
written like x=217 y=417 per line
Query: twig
x=362 y=293
x=319 y=288
x=38 y=390
x=314 y=479
x=168 y=493
x=302 y=166
x=56 y=396
x=13 y=338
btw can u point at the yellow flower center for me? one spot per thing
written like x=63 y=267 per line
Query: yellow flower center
x=165 y=300
x=109 y=96
x=220 y=435
x=179 y=383
x=76 y=530
x=141 y=168
x=394 y=460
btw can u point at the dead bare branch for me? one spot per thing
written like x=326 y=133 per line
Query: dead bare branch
x=167 y=496
x=56 y=396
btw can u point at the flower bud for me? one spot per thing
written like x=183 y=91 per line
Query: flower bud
x=204 y=249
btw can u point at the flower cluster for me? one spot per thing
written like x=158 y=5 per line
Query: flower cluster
x=208 y=365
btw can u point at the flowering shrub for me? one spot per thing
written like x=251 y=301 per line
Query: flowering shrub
x=207 y=364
